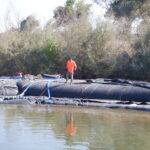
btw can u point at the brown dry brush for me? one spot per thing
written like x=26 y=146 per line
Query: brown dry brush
x=108 y=50
x=100 y=52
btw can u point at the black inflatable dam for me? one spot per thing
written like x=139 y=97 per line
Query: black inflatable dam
x=84 y=90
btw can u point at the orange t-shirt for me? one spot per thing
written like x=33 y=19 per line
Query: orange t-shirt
x=71 y=65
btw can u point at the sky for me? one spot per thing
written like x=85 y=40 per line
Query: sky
x=13 y=11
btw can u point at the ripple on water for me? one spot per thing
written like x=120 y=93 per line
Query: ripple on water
x=29 y=127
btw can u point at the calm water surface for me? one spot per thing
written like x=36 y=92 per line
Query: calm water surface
x=42 y=127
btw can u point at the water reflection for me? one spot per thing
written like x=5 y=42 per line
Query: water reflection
x=70 y=129
x=45 y=127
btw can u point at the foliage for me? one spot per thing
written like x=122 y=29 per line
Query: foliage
x=126 y=8
x=70 y=12
x=29 y=24
x=109 y=49
x=130 y=8
x=140 y=59
x=70 y=3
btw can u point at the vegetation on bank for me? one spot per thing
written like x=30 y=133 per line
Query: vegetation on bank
x=109 y=49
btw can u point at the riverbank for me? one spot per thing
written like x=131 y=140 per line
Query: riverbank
x=10 y=95
x=76 y=102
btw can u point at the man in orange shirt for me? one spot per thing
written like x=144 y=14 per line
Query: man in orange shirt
x=71 y=67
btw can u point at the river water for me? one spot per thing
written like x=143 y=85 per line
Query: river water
x=45 y=127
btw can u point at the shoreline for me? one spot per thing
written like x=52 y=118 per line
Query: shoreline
x=76 y=102
x=9 y=85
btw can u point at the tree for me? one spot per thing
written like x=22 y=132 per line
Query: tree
x=72 y=10
x=129 y=8
x=29 y=24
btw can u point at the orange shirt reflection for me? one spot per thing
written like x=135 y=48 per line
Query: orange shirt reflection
x=70 y=130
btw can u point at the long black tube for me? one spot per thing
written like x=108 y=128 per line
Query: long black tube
x=89 y=91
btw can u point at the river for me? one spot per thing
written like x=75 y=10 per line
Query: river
x=45 y=127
